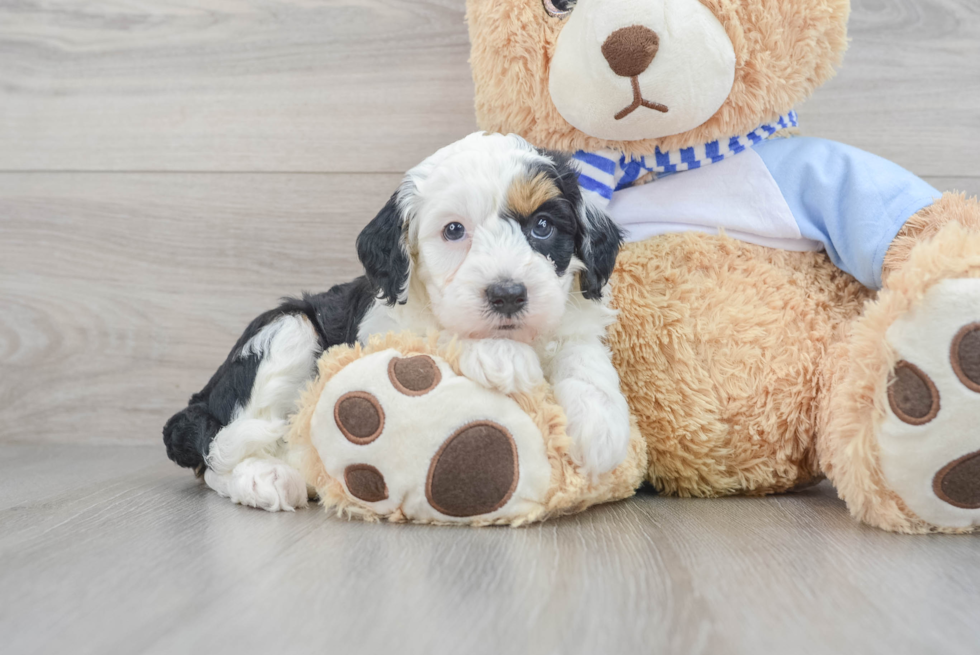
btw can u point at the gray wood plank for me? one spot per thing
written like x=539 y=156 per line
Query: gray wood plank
x=27 y=470
x=151 y=561
x=909 y=88
x=262 y=85
x=968 y=185
x=369 y=85
x=120 y=294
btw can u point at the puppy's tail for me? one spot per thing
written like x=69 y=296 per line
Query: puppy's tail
x=188 y=435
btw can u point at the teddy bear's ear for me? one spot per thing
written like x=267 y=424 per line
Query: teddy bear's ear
x=383 y=251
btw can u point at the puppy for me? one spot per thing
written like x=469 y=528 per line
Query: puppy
x=489 y=241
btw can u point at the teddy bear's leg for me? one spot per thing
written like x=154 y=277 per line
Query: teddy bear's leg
x=406 y=437
x=951 y=208
x=900 y=436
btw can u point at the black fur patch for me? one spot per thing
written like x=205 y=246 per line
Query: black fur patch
x=381 y=249
x=598 y=247
x=560 y=246
x=335 y=315
x=580 y=229
x=188 y=434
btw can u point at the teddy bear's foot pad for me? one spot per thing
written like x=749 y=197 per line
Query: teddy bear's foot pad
x=959 y=482
x=930 y=438
x=408 y=438
x=474 y=472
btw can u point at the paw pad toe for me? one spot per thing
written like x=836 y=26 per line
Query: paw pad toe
x=414 y=376
x=365 y=483
x=958 y=483
x=359 y=416
x=913 y=396
x=965 y=356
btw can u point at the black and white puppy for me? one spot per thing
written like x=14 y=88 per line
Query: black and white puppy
x=489 y=241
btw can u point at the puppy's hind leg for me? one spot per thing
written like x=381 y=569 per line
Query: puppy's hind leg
x=244 y=458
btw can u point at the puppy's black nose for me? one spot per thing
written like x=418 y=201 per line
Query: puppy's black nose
x=507 y=298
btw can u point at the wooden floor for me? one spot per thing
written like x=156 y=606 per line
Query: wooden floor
x=109 y=549
x=168 y=169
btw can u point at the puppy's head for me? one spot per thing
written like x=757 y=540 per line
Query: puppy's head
x=495 y=234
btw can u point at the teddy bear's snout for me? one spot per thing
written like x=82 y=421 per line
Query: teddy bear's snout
x=630 y=50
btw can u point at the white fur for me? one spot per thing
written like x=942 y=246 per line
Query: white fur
x=266 y=483
x=503 y=364
x=244 y=460
x=261 y=343
x=580 y=367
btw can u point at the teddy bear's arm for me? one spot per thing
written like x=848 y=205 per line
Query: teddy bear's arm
x=851 y=201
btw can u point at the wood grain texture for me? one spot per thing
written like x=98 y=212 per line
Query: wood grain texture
x=213 y=85
x=909 y=89
x=375 y=85
x=150 y=561
x=120 y=294
x=968 y=185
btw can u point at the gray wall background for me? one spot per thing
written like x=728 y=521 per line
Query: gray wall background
x=169 y=168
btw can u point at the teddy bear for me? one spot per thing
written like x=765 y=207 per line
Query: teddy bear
x=394 y=430
x=790 y=308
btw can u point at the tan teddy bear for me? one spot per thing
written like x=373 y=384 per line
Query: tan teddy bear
x=790 y=307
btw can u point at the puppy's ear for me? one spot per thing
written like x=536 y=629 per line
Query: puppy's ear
x=597 y=237
x=383 y=251
x=597 y=245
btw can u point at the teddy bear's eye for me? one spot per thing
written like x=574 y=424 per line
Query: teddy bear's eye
x=558 y=8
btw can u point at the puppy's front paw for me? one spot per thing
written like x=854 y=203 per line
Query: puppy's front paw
x=264 y=483
x=598 y=424
x=501 y=364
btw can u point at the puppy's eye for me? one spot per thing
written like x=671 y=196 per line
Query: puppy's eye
x=453 y=232
x=558 y=8
x=542 y=229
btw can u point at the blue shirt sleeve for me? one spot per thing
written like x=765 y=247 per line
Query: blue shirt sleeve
x=853 y=202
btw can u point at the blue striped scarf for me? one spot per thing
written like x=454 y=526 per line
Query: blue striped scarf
x=605 y=171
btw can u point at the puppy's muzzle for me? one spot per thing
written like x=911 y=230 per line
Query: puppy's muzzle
x=507 y=298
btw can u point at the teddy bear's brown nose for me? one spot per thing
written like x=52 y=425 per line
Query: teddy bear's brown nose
x=631 y=50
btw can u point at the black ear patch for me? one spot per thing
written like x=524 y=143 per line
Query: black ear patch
x=598 y=246
x=597 y=238
x=381 y=249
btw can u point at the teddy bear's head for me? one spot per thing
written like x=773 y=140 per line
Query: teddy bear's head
x=634 y=75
